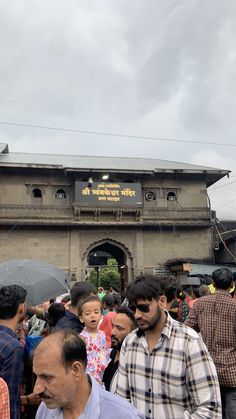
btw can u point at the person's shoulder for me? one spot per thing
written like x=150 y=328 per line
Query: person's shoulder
x=3 y=386
x=101 y=334
x=122 y=408
x=204 y=299
x=132 y=335
x=182 y=330
x=69 y=321
x=10 y=343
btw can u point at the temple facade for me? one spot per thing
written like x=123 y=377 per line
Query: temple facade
x=76 y=211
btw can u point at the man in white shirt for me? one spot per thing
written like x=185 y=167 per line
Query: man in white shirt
x=165 y=369
x=66 y=390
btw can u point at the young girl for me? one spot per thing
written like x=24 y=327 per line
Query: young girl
x=90 y=312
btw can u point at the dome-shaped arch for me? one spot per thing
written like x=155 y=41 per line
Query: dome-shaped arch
x=105 y=241
x=118 y=251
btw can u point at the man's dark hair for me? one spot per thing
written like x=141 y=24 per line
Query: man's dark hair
x=117 y=299
x=73 y=348
x=88 y=299
x=169 y=286
x=222 y=278
x=55 y=312
x=109 y=300
x=11 y=296
x=129 y=313
x=145 y=287
x=81 y=289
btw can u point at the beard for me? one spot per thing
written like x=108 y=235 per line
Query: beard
x=116 y=344
x=150 y=324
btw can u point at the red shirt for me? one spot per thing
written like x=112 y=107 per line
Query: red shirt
x=107 y=326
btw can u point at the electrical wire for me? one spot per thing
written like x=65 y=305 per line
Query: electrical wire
x=112 y=134
x=223 y=242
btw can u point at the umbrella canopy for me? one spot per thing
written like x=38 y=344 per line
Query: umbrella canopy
x=41 y=280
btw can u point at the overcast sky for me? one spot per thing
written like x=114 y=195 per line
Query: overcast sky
x=162 y=69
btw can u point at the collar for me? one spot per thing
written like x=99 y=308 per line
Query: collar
x=166 y=331
x=223 y=292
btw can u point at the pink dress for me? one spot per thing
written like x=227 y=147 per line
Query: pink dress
x=97 y=354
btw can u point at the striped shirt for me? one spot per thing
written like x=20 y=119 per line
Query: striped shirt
x=215 y=317
x=176 y=380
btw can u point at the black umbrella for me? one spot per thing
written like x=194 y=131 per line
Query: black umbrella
x=41 y=280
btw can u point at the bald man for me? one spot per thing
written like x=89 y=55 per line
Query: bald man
x=66 y=390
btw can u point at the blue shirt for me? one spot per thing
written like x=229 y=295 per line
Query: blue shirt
x=100 y=405
x=11 y=366
x=69 y=321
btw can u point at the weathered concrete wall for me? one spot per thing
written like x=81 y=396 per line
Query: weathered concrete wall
x=68 y=248
x=144 y=244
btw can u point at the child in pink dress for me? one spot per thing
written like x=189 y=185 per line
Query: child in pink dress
x=90 y=313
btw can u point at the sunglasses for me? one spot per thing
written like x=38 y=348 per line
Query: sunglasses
x=144 y=308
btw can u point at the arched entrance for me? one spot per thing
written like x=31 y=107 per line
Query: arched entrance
x=98 y=255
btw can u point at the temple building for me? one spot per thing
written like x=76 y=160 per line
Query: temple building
x=76 y=212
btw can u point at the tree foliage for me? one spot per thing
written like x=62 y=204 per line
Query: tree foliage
x=106 y=276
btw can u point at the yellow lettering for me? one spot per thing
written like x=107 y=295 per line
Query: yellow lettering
x=128 y=192
x=86 y=191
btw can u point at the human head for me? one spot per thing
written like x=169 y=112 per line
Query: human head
x=117 y=300
x=59 y=363
x=123 y=323
x=108 y=302
x=90 y=312
x=55 y=312
x=81 y=289
x=222 y=278
x=204 y=290
x=169 y=286
x=146 y=287
x=12 y=302
x=146 y=294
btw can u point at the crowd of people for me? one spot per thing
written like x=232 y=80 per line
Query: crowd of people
x=161 y=353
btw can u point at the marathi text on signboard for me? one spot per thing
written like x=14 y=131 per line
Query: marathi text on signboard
x=108 y=193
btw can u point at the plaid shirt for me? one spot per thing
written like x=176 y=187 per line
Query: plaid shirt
x=4 y=400
x=214 y=316
x=176 y=380
x=11 y=366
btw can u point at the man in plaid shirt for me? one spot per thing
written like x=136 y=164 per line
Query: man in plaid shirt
x=165 y=369
x=215 y=317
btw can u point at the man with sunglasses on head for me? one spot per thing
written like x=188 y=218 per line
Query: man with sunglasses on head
x=165 y=369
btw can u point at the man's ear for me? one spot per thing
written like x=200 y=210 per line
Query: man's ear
x=77 y=369
x=163 y=302
x=21 y=309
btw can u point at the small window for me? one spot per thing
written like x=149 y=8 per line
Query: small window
x=37 y=193
x=150 y=196
x=171 y=196
x=60 y=194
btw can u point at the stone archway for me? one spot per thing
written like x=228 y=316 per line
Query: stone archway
x=106 y=248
